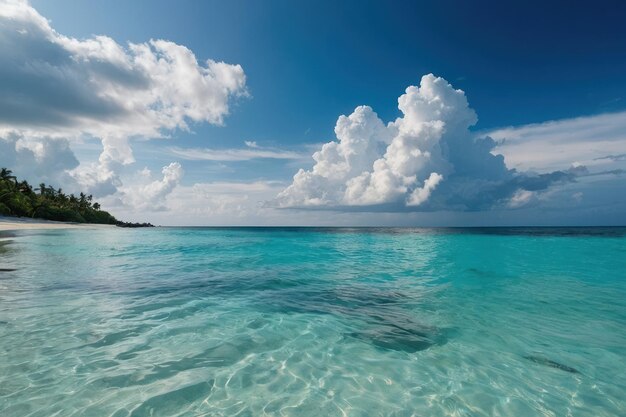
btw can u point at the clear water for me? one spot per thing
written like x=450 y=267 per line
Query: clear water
x=313 y=322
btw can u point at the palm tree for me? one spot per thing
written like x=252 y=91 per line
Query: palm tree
x=19 y=198
x=60 y=197
x=5 y=174
x=82 y=200
x=25 y=187
x=9 y=183
x=42 y=189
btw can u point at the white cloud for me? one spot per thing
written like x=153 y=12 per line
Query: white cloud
x=428 y=157
x=558 y=144
x=151 y=195
x=38 y=159
x=361 y=136
x=421 y=195
x=521 y=198
x=253 y=151
x=103 y=88
x=207 y=203
x=55 y=86
x=429 y=160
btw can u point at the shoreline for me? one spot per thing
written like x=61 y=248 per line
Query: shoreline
x=24 y=223
x=17 y=223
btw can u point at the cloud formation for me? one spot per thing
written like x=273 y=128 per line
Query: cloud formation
x=55 y=86
x=41 y=159
x=210 y=203
x=151 y=195
x=556 y=145
x=428 y=159
x=252 y=151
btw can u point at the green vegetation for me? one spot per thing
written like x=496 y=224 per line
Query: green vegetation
x=18 y=198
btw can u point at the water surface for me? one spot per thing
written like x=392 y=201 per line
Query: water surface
x=310 y=322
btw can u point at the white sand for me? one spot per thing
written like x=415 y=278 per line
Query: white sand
x=16 y=223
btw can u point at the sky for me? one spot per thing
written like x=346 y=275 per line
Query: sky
x=356 y=113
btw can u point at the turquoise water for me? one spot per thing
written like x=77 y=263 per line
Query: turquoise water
x=313 y=322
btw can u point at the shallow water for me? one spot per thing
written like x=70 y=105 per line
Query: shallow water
x=311 y=322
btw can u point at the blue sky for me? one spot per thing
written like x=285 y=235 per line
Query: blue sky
x=307 y=63
x=310 y=61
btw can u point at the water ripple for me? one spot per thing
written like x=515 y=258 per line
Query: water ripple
x=224 y=322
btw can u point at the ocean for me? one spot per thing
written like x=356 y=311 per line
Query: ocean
x=313 y=322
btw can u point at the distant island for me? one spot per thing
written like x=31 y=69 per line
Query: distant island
x=20 y=199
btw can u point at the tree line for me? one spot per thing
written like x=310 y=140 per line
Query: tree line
x=19 y=198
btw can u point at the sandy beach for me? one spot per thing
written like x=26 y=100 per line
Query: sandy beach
x=17 y=223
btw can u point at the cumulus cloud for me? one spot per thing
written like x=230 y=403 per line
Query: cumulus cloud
x=420 y=195
x=212 y=203
x=39 y=159
x=151 y=195
x=55 y=86
x=361 y=137
x=100 y=87
x=427 y=159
